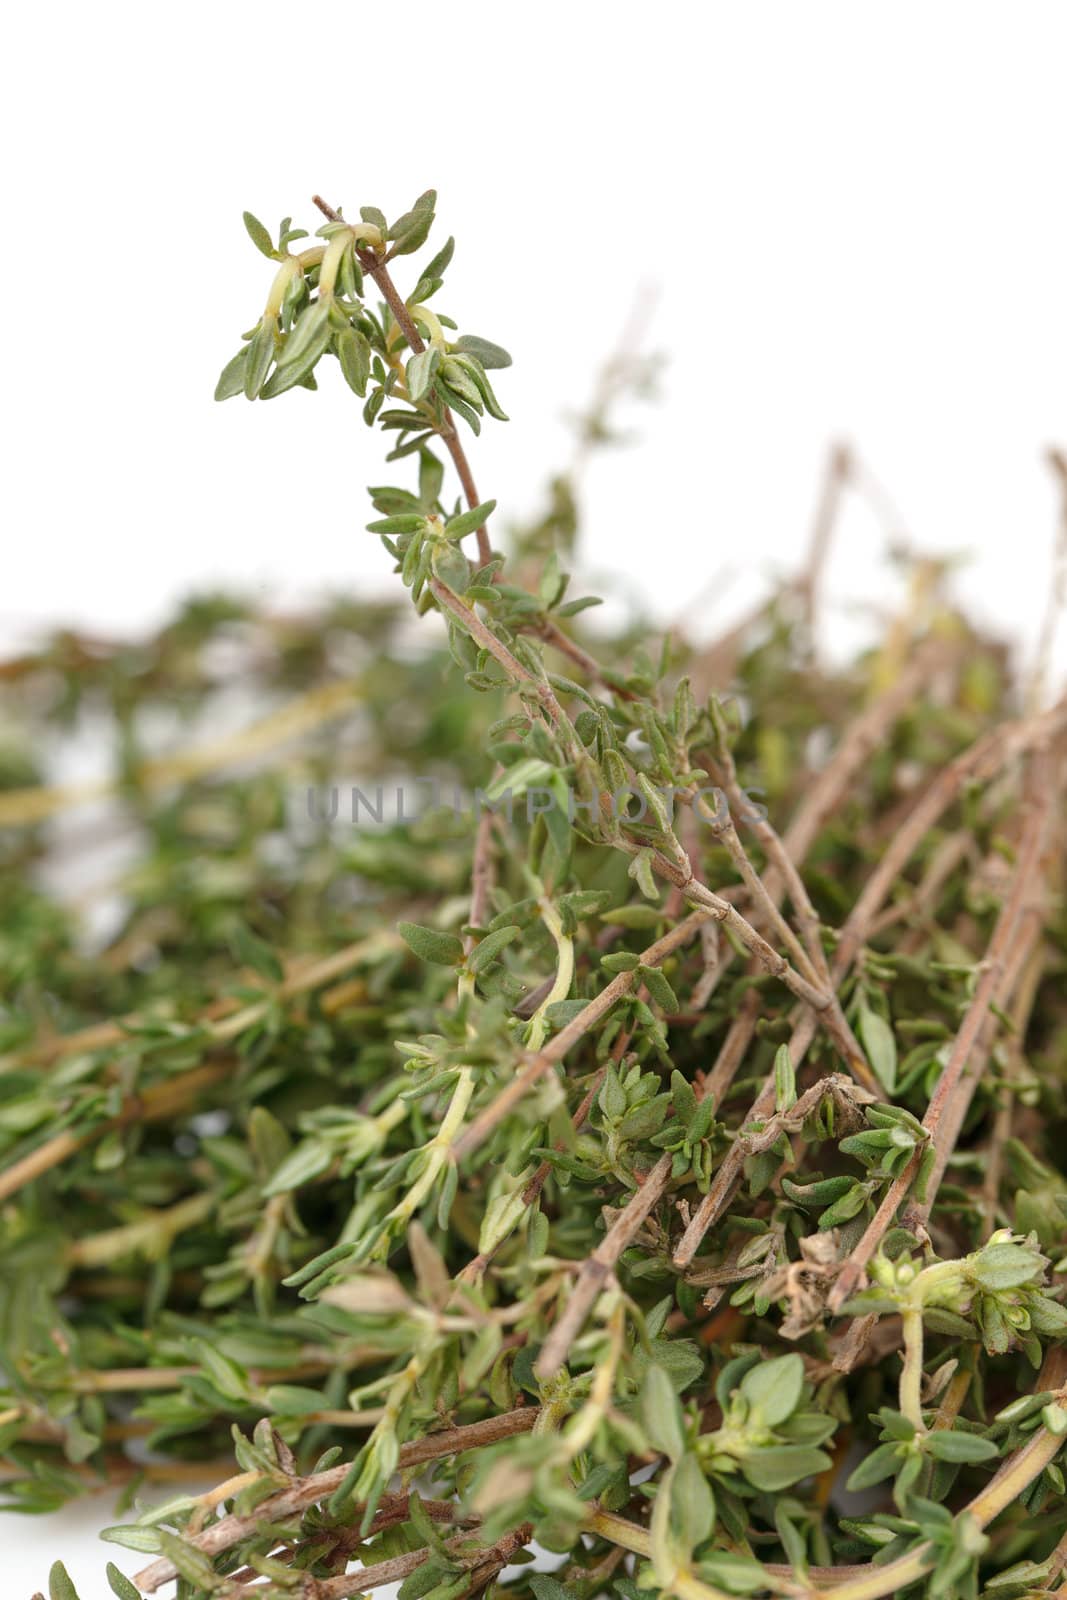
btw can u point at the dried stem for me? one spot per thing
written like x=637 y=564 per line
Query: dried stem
x=771 y=1125
x=597 y=1270
x=483 y=1565
x=939 y=1123
x=301 y=715
x=1057 y=592
x=182 y=1091
x=835 y=477
x=558 y=1046
x=155 y=1104
x=1035 y=961
x=981 y=760
x=823 y=798
x=306 y=1492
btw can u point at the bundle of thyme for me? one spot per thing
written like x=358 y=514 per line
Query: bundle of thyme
x=652 y=1165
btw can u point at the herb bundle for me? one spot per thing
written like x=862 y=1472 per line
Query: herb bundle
x=656 y=1160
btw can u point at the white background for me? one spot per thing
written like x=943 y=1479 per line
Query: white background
x=854 y=213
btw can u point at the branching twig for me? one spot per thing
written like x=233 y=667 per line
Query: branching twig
x=231 y=1530
x=558 y=1046
x=940 y=1125
x=597 y=1269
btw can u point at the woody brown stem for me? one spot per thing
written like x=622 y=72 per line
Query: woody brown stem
x=558 y=1046
x=597 y=1270
x=228 y=1531
x=942 y=1122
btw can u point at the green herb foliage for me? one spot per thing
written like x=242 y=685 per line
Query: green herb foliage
x=674 y=1185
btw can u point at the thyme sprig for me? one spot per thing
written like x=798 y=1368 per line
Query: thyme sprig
x=642 y=1162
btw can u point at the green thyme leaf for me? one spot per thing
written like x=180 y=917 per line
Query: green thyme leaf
x=428 y=944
